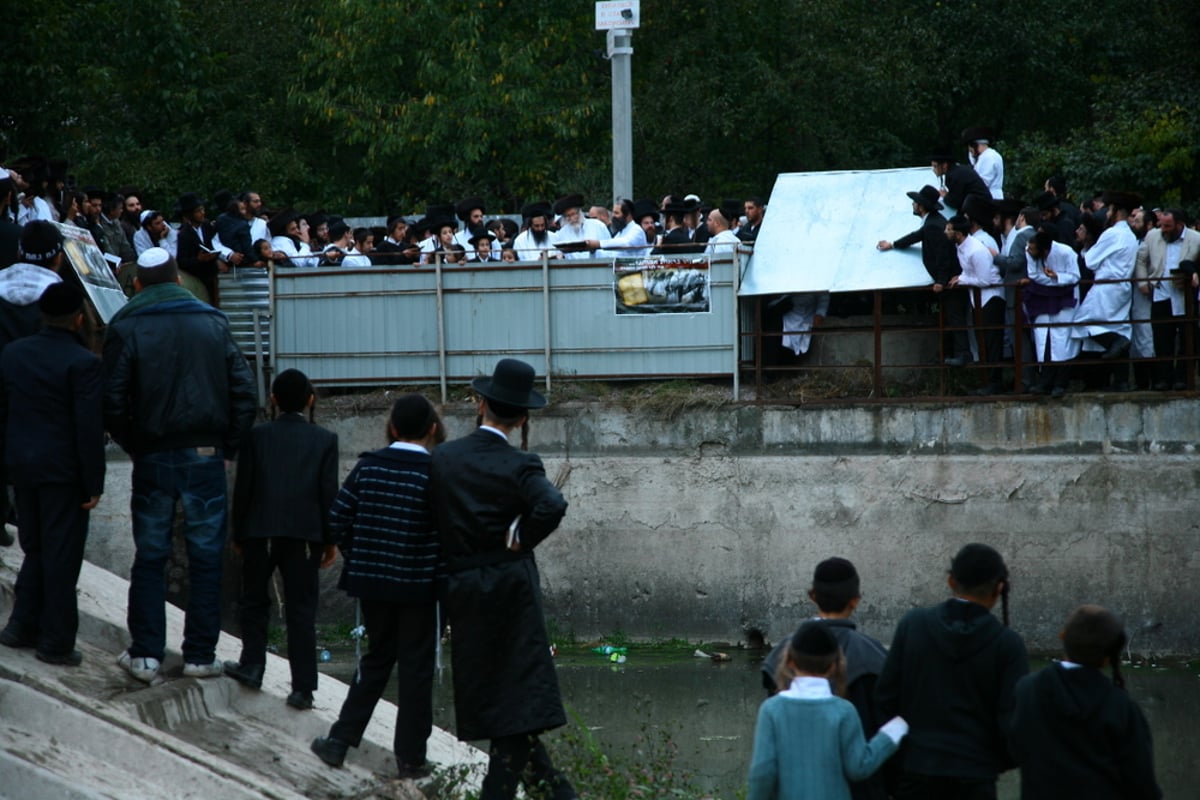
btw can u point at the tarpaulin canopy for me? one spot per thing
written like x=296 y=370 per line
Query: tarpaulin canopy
x=821 y=228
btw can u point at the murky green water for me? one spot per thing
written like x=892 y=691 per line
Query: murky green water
x=707 y=710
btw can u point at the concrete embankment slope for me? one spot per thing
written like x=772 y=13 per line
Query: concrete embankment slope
x=95 y=732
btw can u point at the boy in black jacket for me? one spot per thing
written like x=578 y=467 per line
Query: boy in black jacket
x=1074 y=732
x=286 y=482
x=52 y=440
x=835 y=590
x=950 y=673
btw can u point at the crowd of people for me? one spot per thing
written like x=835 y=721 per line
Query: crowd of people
x=239 y=230
x=1103 y=280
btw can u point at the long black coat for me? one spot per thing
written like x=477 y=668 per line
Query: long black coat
x=504 y=680
x=937 y=252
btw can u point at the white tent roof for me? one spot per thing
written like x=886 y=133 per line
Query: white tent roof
x=821 y=228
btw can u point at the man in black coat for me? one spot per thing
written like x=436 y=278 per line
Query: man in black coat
x=52 y=435
x=941 y=262
x=10 y=232
x=179 y=398
x=194 y=252
x=494 y=506
x=960 y=181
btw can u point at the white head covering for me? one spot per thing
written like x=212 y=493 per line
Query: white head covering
x=153 y=257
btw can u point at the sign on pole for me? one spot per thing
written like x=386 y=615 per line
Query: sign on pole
x=618 y=14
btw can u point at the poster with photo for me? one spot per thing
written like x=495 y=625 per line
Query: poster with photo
x=93 y=270
x=665 y=285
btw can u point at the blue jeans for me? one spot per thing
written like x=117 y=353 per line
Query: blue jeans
x=198 y=482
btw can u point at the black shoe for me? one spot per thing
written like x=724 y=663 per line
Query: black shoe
x=1117 y=349
x=300 y=700
x=330 y=750
x=71 y=659
x=10 y=638
x=413 y=772
x=1057 y=392
x=246 y=674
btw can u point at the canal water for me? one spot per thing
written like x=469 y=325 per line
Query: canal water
x=662 y=705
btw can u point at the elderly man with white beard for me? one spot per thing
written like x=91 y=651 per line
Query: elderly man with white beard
x=575 y=228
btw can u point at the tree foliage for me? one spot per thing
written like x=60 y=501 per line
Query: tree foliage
x=368 y=106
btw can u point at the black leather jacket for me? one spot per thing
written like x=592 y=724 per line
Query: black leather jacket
x=173 y=376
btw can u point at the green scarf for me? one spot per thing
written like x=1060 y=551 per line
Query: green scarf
x=153 y=295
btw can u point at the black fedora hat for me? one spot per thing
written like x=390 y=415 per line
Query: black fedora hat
x=188 y=202
x=978 y=133
x=1127 y=201
x=464 y=207
x=942 y=157
x=565 y=203
x=644 y=208
x=927 y=197
x=511 y=384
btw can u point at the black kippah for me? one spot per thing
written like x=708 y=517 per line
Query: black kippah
x=976 y=565
x=40 y=241
x=60 y=299
x=835 y=570
x=814 y=638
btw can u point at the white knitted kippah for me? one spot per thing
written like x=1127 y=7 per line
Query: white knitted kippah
x=153 y=257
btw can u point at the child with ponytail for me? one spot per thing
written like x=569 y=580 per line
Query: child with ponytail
x=1074 y=732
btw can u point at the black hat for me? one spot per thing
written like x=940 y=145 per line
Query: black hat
x=278 y=224
x=731 y=210
x=438 y=211
x=480 y=233
x=680 y=207
x=927 y=197
x=814 y=638
x=92 y=192
x=1126 y=201
x=511 y=384
x=536 y=209
x=60 y=299
x=1046 y=201
x=977 y=564
x=835 y=575
x=337 y=230
x=467 y=205
x=979 y=133
x=942 y=157
x=978 y=208
x=644 y=208
x=188 y=202
x=40 y=241
x=566 y=202
x=1009 y=207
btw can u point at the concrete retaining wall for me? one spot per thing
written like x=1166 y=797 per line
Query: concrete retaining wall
x=708 y=525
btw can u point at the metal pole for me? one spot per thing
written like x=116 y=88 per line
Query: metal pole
x=620 y=53
x=546 y=314
x=260 y=363
x=441 y=328
x=735 y=264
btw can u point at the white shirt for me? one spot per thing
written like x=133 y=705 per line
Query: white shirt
x=414 y=448
x=990 y=167
x=630 y=242
x=142 y=243
x=258 y=230
x=723 y=244
x=1167 y=288
x=987 y=239
x=587 y=228
x=39 y=210
x=295 y=254
x=978 y=269
x=529 y=250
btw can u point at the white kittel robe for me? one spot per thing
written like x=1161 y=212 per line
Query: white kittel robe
x=1106 y=307
x=1064 y=262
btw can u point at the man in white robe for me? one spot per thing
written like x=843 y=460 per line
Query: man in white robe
x=575 y=227
x=535 y=241
x=1103 y=317
x=1050 y=295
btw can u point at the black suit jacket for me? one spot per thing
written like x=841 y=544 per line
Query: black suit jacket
x=937 y=252
x=286 y=481
x=676 y=243
x=481 y=484
x=962 y=180
x=52 y=412
x=189 y=250
x=10 y=240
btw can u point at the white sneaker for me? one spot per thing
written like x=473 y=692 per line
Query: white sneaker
x=204 y=670
x=144 y=669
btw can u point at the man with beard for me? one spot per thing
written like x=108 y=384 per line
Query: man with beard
x=630 y=239
x=155 y=232
x=576 y=228
x=1103 y=316
x=1141 y=345
x=535 y=241
x=196 y=255
x=941 y=262
x=988 y=164
x=252 y=210
x=754 y=209
x=1164 y=281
